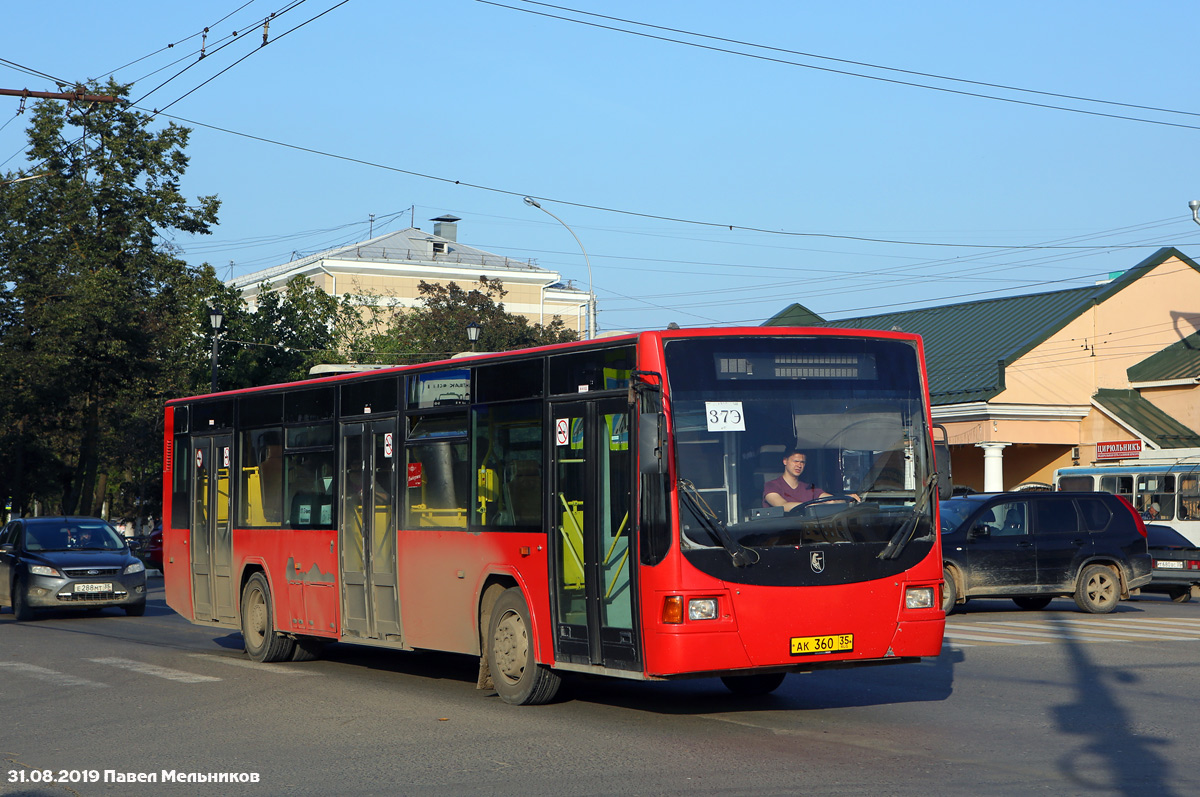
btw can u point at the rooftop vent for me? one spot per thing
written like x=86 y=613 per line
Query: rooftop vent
x=446 y=227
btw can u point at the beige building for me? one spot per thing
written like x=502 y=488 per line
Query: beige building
x=1027 y=384
x=387 y=269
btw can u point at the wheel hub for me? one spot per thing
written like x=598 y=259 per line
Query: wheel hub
x=512 y=646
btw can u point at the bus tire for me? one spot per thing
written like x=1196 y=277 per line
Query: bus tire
x=1097 y=591
x=949 y=590
x=753 y=685
x=263 y=643
x=516 y=675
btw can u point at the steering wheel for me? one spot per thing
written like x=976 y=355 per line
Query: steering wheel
x=798 y=509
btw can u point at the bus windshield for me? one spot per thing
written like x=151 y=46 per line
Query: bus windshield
x=847 y=412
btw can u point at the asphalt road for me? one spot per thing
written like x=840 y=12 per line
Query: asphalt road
x=1050 y=702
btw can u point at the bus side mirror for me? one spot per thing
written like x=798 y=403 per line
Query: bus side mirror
x=650 y=443
x=941 y=460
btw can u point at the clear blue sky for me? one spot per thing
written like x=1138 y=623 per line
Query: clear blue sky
x=582 y=117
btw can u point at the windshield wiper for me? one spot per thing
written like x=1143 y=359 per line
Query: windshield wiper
x=740 y=555
x=902 y=537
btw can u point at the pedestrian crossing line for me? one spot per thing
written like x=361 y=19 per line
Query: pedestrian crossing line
x=1021 y=630
x=1008 y=640
x=251 y=665
x=47 y=675
x=1119 y=632
x=1121 y=622
x=156 y=671
x=1042 y=632
x=1132 y=626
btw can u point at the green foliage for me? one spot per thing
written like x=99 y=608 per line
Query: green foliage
x=438 y=327
x=288 y=333
x=94 y=307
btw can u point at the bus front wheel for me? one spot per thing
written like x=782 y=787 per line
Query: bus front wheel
x=518 y=678
x=263 y=642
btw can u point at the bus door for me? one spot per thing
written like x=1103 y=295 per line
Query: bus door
x=211 y=539
x=592 y=552
x=367 y=531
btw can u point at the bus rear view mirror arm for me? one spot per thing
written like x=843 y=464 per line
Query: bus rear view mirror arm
x=650 y=443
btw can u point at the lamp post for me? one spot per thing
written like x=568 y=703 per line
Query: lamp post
x=216 y=318
x=473 y=333
x=591 y=314
x=1194 y=205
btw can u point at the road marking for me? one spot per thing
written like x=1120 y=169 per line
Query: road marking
x=49 y=676
x=251 y=665
x=1095 y=630
x=1000 y=640
x=1046 y=631
x=156 y=671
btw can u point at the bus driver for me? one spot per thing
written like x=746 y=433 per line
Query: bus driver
x=788 y=491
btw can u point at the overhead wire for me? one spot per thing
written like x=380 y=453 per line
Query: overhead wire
x=859 y=63
x=615 y=210
x=846 y=72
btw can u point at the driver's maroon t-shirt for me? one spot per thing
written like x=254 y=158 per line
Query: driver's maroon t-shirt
x=804 y=492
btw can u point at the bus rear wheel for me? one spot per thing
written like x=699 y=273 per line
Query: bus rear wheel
x=753 y=685
x=263 y=643
x=517 y=676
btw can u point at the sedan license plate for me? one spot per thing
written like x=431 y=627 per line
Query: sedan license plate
x=1166 y=564
x=834 y=643
x=93 y=587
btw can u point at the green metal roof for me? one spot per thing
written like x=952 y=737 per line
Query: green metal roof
x=1149 y=421
x=1180 y=360
x=968 y=345
x=795 y=315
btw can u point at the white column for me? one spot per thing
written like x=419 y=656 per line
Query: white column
x=993 y=466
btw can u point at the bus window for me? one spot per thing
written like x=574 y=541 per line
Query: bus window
x=308 y=485
x=260 y=499
x=1076 y=484
x=1156 y=496
x=437 y=490
x=508 y=469
x=1118 y=485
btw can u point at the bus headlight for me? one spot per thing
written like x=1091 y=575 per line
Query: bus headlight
x=918 y=598
x=702 y=609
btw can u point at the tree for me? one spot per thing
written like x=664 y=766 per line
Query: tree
x=95 y=309
x=285 y=335
x=438 y=327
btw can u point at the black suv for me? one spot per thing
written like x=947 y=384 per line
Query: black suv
x=1037 y=546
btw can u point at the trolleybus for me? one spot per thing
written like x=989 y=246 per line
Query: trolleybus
x=1165 y=492
x=592 y=507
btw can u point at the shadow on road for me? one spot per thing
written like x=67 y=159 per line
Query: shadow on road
x=928 y=681
x=1111 y=756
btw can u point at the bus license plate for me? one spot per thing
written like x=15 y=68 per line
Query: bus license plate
x=803 y=645
x=93 y=587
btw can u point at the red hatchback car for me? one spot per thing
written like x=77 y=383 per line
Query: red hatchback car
x=152 y=550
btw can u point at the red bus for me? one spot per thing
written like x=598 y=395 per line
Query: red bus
x=593 y=507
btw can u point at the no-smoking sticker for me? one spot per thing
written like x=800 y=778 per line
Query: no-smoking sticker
x=562 y=431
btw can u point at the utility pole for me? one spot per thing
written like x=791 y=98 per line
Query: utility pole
x=59 y=95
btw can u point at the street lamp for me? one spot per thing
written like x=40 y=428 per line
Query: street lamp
x=1195 y=206
x=216 y=318
x=591 y=319
x=473 y=334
